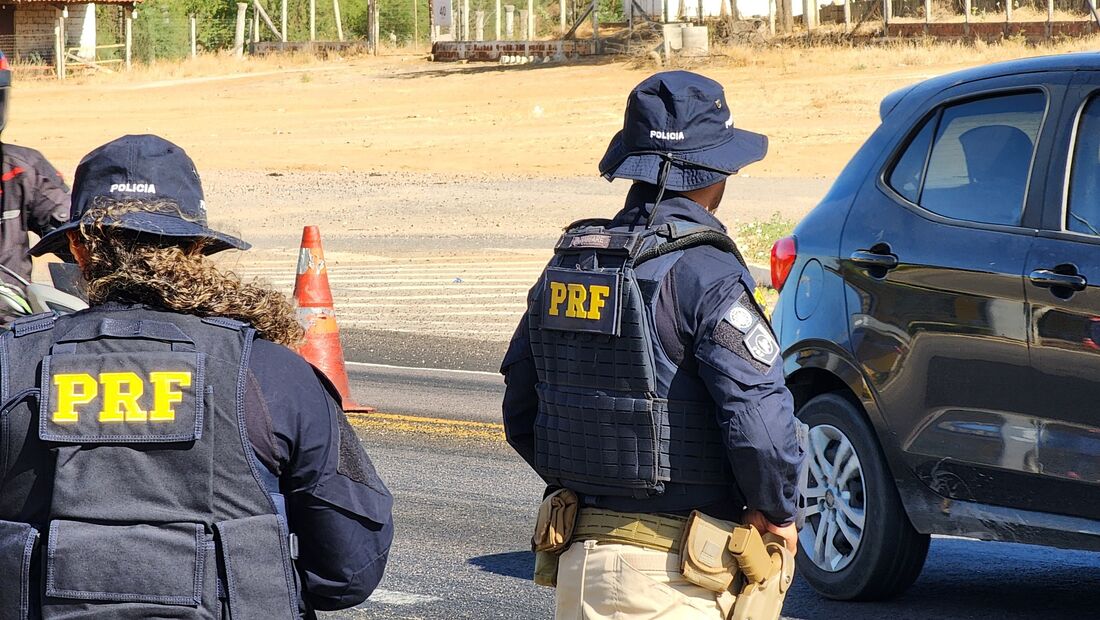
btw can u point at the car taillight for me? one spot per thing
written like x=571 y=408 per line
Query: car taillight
x=784 y=253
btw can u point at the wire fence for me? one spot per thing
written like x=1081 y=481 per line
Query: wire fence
x=161 y=30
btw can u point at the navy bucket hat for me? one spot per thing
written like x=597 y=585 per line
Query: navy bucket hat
x=148 y=169
x=680 y=120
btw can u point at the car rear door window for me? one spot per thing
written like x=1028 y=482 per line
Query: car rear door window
x=1083 y=208
x=908 y=172
x=981 y=159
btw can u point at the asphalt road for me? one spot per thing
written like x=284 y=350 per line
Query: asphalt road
x=464 y=510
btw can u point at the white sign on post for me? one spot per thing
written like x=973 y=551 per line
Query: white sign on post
x=441 y=13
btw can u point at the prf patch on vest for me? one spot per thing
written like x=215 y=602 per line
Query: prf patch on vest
x=134 y=397
x=744 y=331
x=581 y=301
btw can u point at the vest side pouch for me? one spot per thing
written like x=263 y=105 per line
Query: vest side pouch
x=705 y=558
x=18 y=543
x=601 y=444
x=259 y=577
x=127 y=572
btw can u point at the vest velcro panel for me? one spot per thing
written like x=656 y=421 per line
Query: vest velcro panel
x=603 y=444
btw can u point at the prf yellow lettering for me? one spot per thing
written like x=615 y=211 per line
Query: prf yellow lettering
x=595 y=296
x=557 y=295
x=72 y=390
x=121 y=391
x=121 y=395
x=577 y=295
x=599 y=295
x=164 y=396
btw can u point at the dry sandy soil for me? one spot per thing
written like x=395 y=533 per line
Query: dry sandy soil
x=440 y=187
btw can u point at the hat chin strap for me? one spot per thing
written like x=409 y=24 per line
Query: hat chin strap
x=662 y=182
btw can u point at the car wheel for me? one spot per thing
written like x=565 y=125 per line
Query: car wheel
x=857 y=542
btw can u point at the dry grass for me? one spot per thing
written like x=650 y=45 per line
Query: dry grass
x=204 y=65
x=788 y=57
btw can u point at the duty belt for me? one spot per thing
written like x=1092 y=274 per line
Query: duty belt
x=650 y=531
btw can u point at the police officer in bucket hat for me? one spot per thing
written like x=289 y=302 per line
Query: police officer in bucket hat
x=644 y=384
x=165 y=454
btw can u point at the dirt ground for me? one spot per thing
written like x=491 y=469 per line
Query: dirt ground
x=439 y=188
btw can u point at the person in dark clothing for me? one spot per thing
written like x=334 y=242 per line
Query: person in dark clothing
x=33 y=195
x=171 y=451
x=646 y=381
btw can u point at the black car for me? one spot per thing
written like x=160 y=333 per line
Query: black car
x=940 y=323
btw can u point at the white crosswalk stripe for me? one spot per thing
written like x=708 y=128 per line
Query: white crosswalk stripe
x=479 y=296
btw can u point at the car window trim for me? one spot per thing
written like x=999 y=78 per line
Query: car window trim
x=1071 y=157
x=899 y=148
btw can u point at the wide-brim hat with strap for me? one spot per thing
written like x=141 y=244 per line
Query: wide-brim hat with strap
x=678 y=122
x=146 y=169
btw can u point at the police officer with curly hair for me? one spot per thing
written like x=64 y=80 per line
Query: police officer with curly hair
x=165 y=454
x=645 y=385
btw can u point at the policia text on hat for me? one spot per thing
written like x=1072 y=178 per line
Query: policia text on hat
x=164 y=454
x=645 y=386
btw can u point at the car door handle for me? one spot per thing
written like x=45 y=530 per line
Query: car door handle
x=865 y=258
x=1049 y=279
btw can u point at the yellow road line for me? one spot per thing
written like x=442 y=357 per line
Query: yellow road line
x=459 y=429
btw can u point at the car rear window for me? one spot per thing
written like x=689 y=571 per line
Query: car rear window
x=1083 y=209
x=980 y=160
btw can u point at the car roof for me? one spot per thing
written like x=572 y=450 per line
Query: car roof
x=1078 y=61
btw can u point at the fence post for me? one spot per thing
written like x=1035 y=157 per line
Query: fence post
x=808 y=18
x=496 y=17
x=375 y=27
x=1050 y=19
x=312 y=20
x=255 y=22
x=561 y=16
x=282 y=11
x=1008 y=10
x=339 y=22
x=194 y=42
x=887 y=14
x=523 y=34
x=479 y=26
x=596 y=24
x=531 y=33
x=465 y=20
x=787 y=15
x=771 y=17
x=129 y=35
x=847 y=15
x=928 y=16
x=509 y=22
x=966 y=20
x=238 y=38
x=59 y=67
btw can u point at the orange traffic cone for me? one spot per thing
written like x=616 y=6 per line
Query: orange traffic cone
x=321 y=345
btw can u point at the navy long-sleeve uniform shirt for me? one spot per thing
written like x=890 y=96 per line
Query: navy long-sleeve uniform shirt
x=755 y=412
x=337 y=505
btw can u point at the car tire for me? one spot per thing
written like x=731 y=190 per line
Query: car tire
x=889 y=553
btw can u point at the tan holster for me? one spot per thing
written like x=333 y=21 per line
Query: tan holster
x=728 y=558
x=553 y=530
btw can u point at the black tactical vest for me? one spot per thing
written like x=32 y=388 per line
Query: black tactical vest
x=605 y=425
x=128 y=487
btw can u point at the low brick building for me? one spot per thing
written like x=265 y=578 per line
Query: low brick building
x=29 y=28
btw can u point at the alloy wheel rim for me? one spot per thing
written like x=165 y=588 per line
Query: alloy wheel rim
x=833 y=500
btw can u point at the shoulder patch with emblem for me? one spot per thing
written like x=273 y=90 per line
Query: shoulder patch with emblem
x=744 y=330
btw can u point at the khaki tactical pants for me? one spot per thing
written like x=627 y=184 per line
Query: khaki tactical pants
x=624 y=582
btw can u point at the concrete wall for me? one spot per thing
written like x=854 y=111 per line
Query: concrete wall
x=34 y=30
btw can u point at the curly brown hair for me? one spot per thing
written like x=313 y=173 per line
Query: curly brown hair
x=129 y=267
